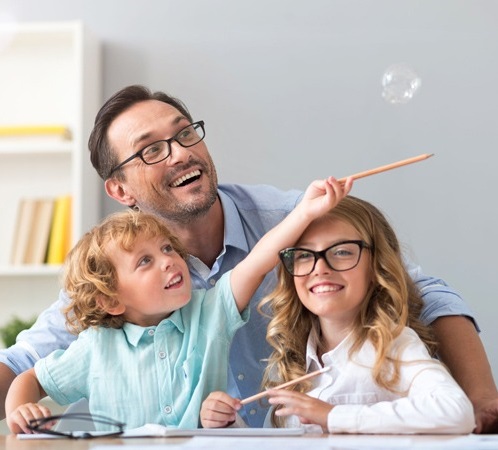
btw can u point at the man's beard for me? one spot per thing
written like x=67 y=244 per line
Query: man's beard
x=186 y=213
x=183 y=213
x=179 y=213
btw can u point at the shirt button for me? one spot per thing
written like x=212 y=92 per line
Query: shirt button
x=212 y=281
x=162 y=355
x=252 y=412
x=168 y=409
x=240 y=376
x=150 y=332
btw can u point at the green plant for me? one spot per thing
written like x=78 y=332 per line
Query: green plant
x=11 y=329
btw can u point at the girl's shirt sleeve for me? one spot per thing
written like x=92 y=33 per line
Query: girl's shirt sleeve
x=434 y=402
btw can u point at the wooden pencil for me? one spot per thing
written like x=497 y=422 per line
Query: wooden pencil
x=262 y=394
x=394 y=165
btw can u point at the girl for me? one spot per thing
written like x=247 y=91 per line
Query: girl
x=345 y=300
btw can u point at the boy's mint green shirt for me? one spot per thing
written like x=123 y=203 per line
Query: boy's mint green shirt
x=159 y=374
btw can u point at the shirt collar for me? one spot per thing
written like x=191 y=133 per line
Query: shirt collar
x=312 y=361
x=234 y=232
x=134 y=332
x=338 y=353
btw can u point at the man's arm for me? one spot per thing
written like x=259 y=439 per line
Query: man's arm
x=461 y=349
x=49 y=333
x=6 y=378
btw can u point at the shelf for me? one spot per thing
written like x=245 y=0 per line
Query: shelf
x=30 y=270
x=53 y=80
x=32 y=146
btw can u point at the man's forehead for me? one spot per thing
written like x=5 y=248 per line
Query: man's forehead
x=140 y=120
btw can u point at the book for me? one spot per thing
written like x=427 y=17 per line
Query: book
x=35 y=130
x=155 y=430
x=36 y=250
x=59 y=242
x=24 y=222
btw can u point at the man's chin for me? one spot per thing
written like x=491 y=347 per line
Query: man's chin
x=187 y=212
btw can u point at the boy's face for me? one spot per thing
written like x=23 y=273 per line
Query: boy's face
x=153 y=281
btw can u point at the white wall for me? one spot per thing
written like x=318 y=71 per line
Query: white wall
x=290 y=91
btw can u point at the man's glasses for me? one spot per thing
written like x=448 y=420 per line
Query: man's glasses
x=158 y=151
x=112 y=427
x=340 y=257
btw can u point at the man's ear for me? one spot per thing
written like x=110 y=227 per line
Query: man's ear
x=115 y=190
x=110 y=306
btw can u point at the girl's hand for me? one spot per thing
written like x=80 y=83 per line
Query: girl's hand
x=309 y=410
x=19 y=419
x=219 y=410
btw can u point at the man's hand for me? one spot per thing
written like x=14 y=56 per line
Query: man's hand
x=219 y=410
x=486 y=413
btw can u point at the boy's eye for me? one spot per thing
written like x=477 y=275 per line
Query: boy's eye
x=145 y=260
x=168 y=248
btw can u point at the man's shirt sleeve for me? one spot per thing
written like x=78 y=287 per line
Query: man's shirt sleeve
x=49 y=333
x=439 y=299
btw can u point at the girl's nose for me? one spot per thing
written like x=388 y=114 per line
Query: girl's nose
x=321 y=266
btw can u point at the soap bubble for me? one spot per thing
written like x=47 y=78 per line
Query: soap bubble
x=400 y=83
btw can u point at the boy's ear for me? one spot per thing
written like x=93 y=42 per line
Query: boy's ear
x=110 y=306
x=115 y=189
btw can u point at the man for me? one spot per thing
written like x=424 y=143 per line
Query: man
x=139 y=149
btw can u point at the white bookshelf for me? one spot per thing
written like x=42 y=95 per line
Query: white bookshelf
x=50 y=73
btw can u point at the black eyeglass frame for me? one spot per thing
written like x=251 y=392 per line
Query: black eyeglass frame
x=139 y=154
x=322 y=254
x=36 y=424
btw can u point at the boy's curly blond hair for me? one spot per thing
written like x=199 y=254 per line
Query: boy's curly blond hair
x=90 y=278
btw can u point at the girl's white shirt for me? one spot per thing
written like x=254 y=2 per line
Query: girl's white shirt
x=429 y=400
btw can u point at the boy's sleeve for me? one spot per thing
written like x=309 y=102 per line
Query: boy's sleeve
x=64 y=374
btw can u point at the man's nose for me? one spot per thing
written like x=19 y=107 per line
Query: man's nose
x=178 y=153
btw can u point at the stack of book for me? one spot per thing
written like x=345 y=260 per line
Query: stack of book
x=35 y=130
x=43 y=231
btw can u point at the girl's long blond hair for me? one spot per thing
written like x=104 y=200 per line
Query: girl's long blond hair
x=392 y=303
x=90 y=279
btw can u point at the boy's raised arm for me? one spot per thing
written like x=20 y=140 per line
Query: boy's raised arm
x=320 y=197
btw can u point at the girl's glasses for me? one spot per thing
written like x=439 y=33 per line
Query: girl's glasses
x=340 y=257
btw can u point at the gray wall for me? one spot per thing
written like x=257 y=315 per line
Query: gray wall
x=290 y=91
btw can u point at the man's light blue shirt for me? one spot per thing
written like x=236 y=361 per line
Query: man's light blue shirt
x=250 y=211
x=158 y=374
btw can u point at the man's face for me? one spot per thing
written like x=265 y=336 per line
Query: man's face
x=180 y=188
